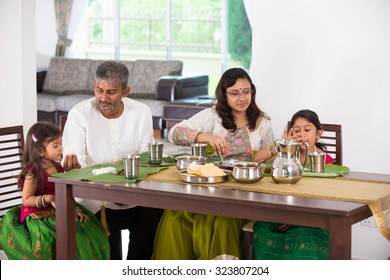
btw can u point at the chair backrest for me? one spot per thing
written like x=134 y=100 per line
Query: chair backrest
x=63 y=119
x=332 y=139
x=11 y=148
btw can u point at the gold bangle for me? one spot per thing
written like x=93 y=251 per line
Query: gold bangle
x=43 y=201
x=38 y=202
x=271 y=153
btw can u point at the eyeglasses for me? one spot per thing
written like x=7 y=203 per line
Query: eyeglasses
x=236 y=93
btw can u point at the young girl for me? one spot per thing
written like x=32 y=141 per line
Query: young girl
x=274 y=241
x=28 y=231
x=306 y=127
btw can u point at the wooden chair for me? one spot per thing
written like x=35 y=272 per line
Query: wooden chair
x=332 y=139
x=11 y=148
x=62 y=121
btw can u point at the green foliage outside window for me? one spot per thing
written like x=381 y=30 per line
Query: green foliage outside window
x=239 y=33
x=195 y=27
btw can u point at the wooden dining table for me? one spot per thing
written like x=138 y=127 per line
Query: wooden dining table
x=337 y=216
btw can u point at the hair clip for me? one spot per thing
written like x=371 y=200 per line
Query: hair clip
x=34 y=138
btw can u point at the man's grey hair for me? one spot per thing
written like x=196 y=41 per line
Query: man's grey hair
x=113 y=71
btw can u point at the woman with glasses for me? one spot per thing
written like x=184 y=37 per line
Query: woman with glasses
x=235 y=128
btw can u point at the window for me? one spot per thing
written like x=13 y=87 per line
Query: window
x=192 y=31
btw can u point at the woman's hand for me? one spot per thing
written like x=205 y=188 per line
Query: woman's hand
x=71 y=162
x=219 y=144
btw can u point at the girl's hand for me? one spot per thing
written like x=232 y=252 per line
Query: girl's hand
x=82 y=217
x=50 y=199
x=286 y=135
x=293 y=134
x=284 y=227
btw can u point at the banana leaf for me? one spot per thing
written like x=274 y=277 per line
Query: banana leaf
x=85 y=174
x=331 y=170
x=167 y=161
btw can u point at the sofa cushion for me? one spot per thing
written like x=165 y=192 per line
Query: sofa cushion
x=46 y=102
x=146 y=73
x=156 y=106
x=67 y=76
x=66 y=102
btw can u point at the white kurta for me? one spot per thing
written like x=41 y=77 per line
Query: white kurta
x=208 y=121
x=96 y=139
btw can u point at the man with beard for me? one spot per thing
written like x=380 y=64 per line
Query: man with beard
x=103 y=129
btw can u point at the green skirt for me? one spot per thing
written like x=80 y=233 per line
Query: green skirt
x=296 y=243
x=188 y=236
x=35 y=239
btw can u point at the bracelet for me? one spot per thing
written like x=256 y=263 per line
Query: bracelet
x=38 y=202
x=270 y=152
x=43 y=201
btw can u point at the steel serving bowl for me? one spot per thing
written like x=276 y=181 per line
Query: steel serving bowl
x=182 y=162
x=227 y=163
x=247 y=172
x=190 y=178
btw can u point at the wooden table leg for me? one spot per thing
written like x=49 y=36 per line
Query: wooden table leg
x=66 y=225
x=340 y=239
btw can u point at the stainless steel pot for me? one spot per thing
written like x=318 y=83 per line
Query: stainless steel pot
x=248 y=172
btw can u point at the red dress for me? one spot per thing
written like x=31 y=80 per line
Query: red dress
x=46 y=188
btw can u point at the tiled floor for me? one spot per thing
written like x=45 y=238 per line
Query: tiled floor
x=125 y=243
x=3 y=256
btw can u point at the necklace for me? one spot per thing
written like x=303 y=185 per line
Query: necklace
x=50 y=166
x=241 y=123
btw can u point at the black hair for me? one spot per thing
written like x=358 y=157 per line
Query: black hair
x=228 y=79
x=39 y=134
x=311 y=117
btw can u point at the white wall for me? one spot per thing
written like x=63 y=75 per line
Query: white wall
x=17 y=56
x=46 y=33
x=331 y=56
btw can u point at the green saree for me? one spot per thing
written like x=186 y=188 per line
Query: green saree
x=189 y=236
x=35 y=239
x=296 y=243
